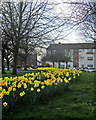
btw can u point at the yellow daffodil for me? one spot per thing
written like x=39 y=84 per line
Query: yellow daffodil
x=50 y=77
x=36 y=85
x=32 y=89
x=0 y=88
x=42 y=87
x=5 y=104
x=38 y=90
x=1 y=95
x=7 y=93
x=74 y=77
x=22 y=93
x=69 y=79
x=14 y=89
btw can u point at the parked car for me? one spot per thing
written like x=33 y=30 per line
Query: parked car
x=85 y=69
x=29 y=67
x=68 y=67
x=5 y=68
x=74 y=68
x=80 y=69
x=36 y=67
x=91 y=70
x=9 y=68
x=41 y=66
x=61 y=67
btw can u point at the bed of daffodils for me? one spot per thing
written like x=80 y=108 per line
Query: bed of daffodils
x=35 y=87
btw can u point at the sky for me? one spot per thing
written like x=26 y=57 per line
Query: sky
x=74 y=36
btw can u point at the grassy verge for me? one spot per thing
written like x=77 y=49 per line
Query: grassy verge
x=76 y=102
x=19 y=73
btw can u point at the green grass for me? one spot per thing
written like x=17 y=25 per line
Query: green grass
x=75 y=102
x=19 y=72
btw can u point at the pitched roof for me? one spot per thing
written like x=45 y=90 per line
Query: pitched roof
x=71 y=46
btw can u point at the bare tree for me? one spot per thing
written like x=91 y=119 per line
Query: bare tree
x=50 y=57
x=84 y=18
x=31 y=19
x=58 y=56
x=63 y=56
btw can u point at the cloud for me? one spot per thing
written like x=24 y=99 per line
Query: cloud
x=72 y=38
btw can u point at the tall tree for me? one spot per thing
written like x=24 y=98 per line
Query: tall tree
x=33 y=20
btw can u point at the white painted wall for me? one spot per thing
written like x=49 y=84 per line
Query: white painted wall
x=83 y=58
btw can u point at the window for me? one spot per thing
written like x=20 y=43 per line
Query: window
x=89 y=50
x=82 y=50
x=90 y=65
x=89 y=58
x=53 y=51
x=82 y=57
x=75 y=60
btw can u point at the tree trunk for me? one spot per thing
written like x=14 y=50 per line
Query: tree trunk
x=7 y=59
x=25 y=62
x=3 y=71
x=58 y=64
x=66 y=64
x=21 y=63
x=53 y=64
x=14 y=72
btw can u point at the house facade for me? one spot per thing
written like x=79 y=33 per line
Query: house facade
x=82 y=54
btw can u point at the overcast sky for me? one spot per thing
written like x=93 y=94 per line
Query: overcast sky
x=74 y=36
x=70 y=36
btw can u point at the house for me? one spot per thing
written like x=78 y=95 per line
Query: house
x=82 y=54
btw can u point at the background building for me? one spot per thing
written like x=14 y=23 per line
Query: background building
x=81 y=54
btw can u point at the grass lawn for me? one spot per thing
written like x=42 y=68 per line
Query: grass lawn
x=75 y=102
x=19 y=72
